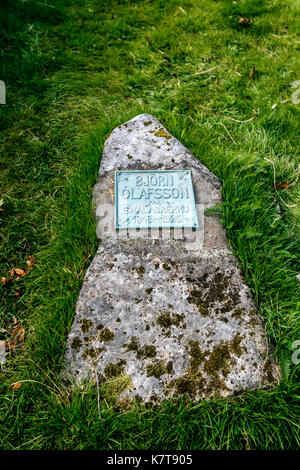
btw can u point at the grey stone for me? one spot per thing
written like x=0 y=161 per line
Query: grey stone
x=165 y=316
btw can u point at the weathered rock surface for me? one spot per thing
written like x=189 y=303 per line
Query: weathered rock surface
x=170 y=317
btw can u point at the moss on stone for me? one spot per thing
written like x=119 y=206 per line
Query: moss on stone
x=221 y=358
x=206 y=292
x=86 y=325
x=113 y=389
x=133 y=345
x=190 y=384
x=149 y=290
x=197 y=356
x=235 y=345
x=254 y=321
x=140 y=270
x=76 y=343
x=195 y=297
x=157 y=369
x=162 y=133
x=106 y=334
x=167 y=319
x=218 y=361
x=149 y=350
x=146 y=351
x=114 y=370
x=268 y=371
x=90 y=352
x=237 y=314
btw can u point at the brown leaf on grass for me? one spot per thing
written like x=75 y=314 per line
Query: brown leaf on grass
x=252 y=72
x=11 y=344
x=15 y=335
x=17 y=272
x=245 y=21
x=281 y=185
x=15 y=385
x=31 y=260
x=18 y=333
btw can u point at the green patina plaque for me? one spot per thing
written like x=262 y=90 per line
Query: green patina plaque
x=155 y=199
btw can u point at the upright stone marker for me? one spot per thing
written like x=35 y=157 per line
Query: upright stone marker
x=163 y=309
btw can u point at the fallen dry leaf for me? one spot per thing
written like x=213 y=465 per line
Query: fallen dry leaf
x=245 y=21
x=252 y=72
x=17 y=273
x=18 y=333
x=20 y=272
x=31 y=260
x=11 y=344
x=281 y=185
x=15 y=335
x=15 y=385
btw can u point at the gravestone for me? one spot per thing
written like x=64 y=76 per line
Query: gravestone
x=164 y=310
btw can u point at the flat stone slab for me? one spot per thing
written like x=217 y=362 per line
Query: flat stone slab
x=166 y=315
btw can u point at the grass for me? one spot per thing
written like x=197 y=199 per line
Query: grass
x=74 y=71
